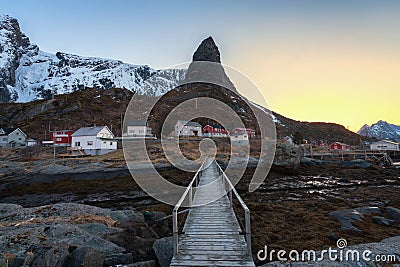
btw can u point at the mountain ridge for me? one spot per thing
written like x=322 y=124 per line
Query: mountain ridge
x=28 y=73
x=381 y=130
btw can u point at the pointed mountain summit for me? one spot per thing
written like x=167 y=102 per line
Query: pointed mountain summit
x=206 y=66
x=207 y=51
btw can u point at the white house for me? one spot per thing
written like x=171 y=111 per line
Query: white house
x=384 y=145
x=187 y=128
x=93 y=141
x=138 y=129
x=12 y=137
x=239 y=138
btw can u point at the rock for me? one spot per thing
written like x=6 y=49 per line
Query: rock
x=159 y=226
x=207 y=51
x=382 y=221
x=394 y=213
x=143 y=264
x=56 y=255
x=307 y=161
x=164 y=249
x=86 y=256
x=348 y=216
x=127 y=215
x=357 y=163
x=287 y=158
x=119 y=259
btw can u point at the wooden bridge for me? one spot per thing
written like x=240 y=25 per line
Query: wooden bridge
x=211 y=235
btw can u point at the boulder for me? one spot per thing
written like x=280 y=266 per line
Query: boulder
x=287 y=158
x=346 y=217
x=119 y=259
x=394 y=213
x=86 y=256
x=56 y=255
x=164 y=249
x=382 y=220
x=357 y=163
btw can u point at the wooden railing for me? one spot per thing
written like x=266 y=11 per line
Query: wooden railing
x=228 y=186
x=188 y=193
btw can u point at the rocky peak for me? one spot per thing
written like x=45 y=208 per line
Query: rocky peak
x=207 y=51
x=203 y=72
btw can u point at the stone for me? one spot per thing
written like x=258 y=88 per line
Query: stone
x=118 y=259
x=394 y=213
x=142 y=264
x=56 y=255
x=86 y=256
x=382 y=220
x=164 y=249
x=346 y=217
x=207 y=51
x=357 y=163
x=287 y=158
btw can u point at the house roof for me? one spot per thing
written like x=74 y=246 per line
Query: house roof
x=387 y=141
x=7 y=130
x=89 y=131
x=244 y=129
x=190 y=123
x=136 y=123
x=339 y=143
x=215 y=126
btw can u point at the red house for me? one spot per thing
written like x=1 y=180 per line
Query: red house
x=250 y=132
x=215 y=131
x=62 y=137
x=337 y=146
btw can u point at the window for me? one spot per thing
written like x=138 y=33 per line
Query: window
x=89 y=143
x=58 y=139
x=132 y=131
x=141 y=131
x=19 y=139
x=77 y=143
x=111 y=143
x=5 y=139
x=17 y=133
x=104 y=142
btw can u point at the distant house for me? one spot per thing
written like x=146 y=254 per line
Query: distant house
x=250 y=132
x=337 y=146
x=385 y=145
x=215 y=131
x=93 y=141
x=239 y=138
x=12 y=137
x=61 y=137
x=31 y=142
x=187 y=128
x=138 y=129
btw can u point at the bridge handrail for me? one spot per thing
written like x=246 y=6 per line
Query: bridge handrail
x=231 y=188
x=189 y=190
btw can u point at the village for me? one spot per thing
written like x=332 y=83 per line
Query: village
x=100 y=140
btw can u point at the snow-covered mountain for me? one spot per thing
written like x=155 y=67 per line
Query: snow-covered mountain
x=381 y=130
x=27 y=73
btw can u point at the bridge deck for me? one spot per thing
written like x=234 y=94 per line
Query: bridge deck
x=211 y=234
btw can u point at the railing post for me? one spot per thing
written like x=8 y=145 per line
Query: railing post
x=175 y=230
x=248 y=231
x=230 y=197
x=190 y=196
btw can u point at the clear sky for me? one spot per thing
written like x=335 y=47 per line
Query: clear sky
x=333 y=61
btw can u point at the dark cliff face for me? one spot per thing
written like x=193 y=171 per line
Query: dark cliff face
x=14 y=44
x=207 y=51
x=206 y=66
